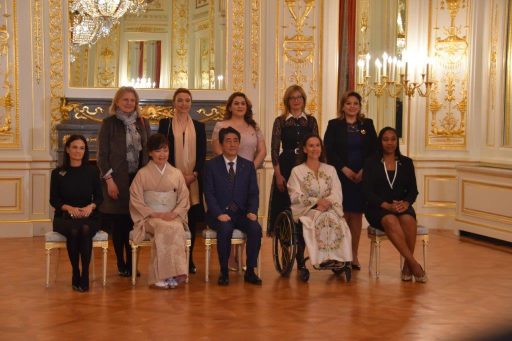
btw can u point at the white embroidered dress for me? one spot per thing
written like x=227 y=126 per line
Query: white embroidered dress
x=326 y=234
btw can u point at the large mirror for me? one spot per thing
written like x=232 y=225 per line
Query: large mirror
x=382 y=29
x=174 y=43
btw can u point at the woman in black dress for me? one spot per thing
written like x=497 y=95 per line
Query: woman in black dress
x=75 y=193
x=288 y=131
x=349 y=140
x=390 y=189
x=187 y=152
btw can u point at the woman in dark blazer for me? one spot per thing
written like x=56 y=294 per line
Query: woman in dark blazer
x=349 y=140
x=122 y=151
x=389 y=185
x=187 y=152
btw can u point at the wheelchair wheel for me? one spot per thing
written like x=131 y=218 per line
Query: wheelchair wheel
x=284 y=244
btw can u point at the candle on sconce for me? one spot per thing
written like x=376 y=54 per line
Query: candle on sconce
x=360 y=65
x=384 y=63
x=367 y=74
x=220 y=78
x=378 y=66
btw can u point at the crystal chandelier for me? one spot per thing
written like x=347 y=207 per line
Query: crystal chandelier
x=94 y=19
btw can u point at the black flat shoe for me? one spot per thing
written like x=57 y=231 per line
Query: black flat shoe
x=356 y=266
x=75 y=287
x=223 y=280
x=252 y=278
x=84 y=289
x=192 y=268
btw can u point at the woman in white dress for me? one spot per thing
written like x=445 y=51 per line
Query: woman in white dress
x=316 y=200
x=159 y=201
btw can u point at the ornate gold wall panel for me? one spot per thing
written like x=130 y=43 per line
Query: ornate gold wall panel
x=105 y=61
x=11 y=199
x=491 y=89
x=9 y=110
x=255 y=41
x=180 y=45
x=37 y=39
x=448 y=102
x=299 y=51
x=439 y=190
x=238 y=45
x=56 y=65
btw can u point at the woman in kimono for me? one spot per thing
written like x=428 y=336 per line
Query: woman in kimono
x=159 y=201
x=316 y=200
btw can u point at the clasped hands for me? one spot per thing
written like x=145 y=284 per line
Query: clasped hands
x=79 y=212
x=353 y=176
x=397 y=206
x=323 y=205
x=167 y=216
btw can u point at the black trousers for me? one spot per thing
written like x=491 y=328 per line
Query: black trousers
x=120 y=226
x=79 y=234
x=224 y=233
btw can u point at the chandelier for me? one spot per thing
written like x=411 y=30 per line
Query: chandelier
x=93 y=19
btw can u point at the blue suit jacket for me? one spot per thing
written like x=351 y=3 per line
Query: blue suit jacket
x=219 y=194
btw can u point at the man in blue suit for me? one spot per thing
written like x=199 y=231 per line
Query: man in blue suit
x=232 y=196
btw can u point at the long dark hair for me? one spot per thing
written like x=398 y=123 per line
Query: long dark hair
x=345 y=98
x=66 y=162
x=380 y=150
x=248 y=117
x=302 y=157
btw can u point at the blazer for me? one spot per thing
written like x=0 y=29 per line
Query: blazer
x=219 y=193
x=376 y=187
x=112 y=154
x=336 y=144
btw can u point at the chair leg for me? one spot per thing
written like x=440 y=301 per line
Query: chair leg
x=377 y=258
x=134 y=264
x=239 y=256
x=105 y=252
x=93 y=265
x=57 y=265
x=425 y=245
x=187 y=251
x=48 y=254
x=207 y=261
x=372 y=255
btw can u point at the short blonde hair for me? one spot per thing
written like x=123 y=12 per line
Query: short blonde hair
x=120 y=93
x=288 y=93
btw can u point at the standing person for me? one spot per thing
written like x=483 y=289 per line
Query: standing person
x=288 y=132
x=75 y=193
x=122 y=150
x=232 y=197
x=239 y=115
x=158 y=206
x=187 y=152
x=389 y=184
x=349 y=140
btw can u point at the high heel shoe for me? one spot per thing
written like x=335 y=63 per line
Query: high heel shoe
x=421 y=279
x=406 y=277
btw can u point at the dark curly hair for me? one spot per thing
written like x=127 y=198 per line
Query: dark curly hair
x=66 y=162
x=248 y=117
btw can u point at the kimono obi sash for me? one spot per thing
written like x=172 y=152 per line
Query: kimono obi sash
x=161 y=201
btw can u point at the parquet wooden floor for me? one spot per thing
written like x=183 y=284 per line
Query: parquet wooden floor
x=469 y=294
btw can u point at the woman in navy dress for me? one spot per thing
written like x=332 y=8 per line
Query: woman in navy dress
x=349 y=140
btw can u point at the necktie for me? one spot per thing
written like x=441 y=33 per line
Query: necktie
x=231 y=171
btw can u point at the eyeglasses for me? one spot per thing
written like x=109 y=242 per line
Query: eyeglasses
x=296 y=98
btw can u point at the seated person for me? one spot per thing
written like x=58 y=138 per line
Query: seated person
x=389 y=185
x=158 y=206
x=75 y=193
x=232 y=197
x=316 y=200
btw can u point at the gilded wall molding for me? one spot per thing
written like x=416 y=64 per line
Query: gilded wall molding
x=37 y=39
x=180 y=53
x=255 y=41
x=447 y=106
x=56 y=66
x=9 y=109
x=299 y=50
x=491 y=89
x=238 y=45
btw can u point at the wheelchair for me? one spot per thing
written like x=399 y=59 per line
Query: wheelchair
x=288 y=245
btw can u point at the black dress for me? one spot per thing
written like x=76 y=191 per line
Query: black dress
x=377 y=188
x=77 y=187
x=348 y=145
x=289 y=134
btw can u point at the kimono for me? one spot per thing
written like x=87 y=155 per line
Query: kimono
x=154 y=190
x=326 y=234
